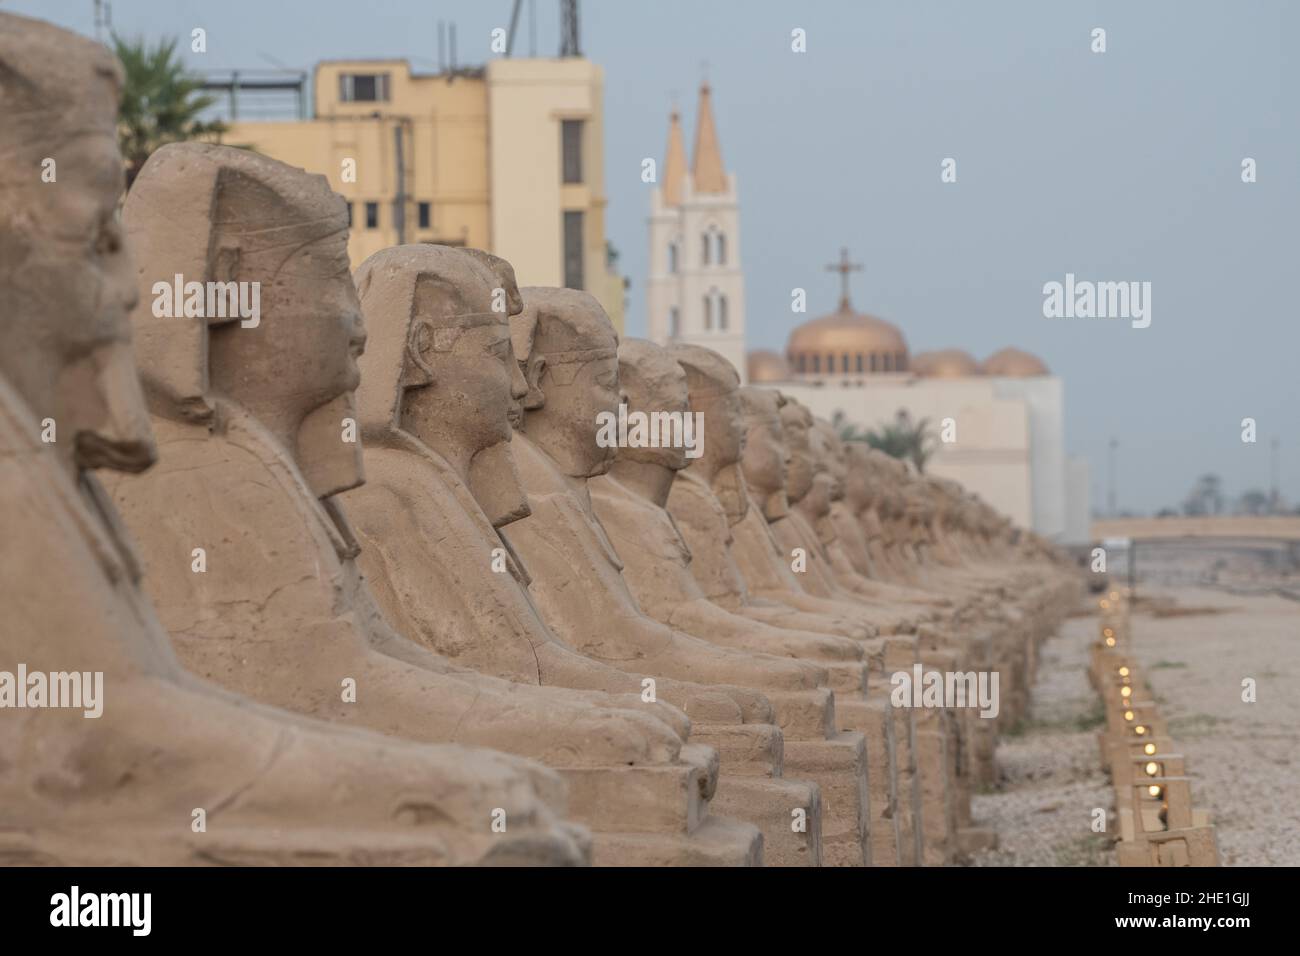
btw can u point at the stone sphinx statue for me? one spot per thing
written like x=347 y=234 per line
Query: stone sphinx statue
x=438 y=379
x=809 y=490
x=577 y=579
x=826 y=512
x=856 y=532
x=278 y=610
x=161 y=750
x=630 y=502
x=772 y=571
x=707 y=500
x=577 y=573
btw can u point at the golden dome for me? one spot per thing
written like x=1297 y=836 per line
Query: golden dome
x=766 y=366
x=945 y=363
x=1013 y=363
x=846 y=343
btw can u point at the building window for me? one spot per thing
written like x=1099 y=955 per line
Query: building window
x=708 y=313
x=674 y=322
x=722 y=313
x=722 y=249
x=798 y=362
x=573 y=242
x=349 y=205
x=859 y=368
x=844 y=363
x=424 y=214
x=571 y=149
x=817 y=364
x=889 y=361
x=372 y=215
x=873 y=362
x=672 y=257
x=704 y=248
x=363 y=87
x=830 y=363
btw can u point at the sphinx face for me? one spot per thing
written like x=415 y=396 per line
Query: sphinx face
x=479 y=379
x=669 y=395
x=766 y=459
x=69 y=285
x=724 y=428
x=576 y=409
x=818 y=500
x=829 y=460
x=303 y=352
x=802 y=466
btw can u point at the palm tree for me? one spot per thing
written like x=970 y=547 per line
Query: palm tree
x=161 y=102
x=905 y=440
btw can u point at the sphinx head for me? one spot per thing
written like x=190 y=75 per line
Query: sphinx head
x=825 y=486
x=233 y=224
x=714 y=393
x=572 y=365
x=859 y=477
x=830 y=451
x=439 y=365
x=766 y=458
x=67 y=282
x=796 y=424
x=653 y=384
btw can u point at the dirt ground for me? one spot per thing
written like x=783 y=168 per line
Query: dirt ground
x=1244 y=758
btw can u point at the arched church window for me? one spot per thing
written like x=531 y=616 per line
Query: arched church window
x=704 y=248
x=708 y=313
x=873 y=362
x=674 y=322
x=859 y=368
x=830 y=362
x=672 y=257
x=722 y=312
x=844 y=363
x=722 y=250
x=817 y=364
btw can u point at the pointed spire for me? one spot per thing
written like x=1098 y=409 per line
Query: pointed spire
x=707 y=175
x=674 y=162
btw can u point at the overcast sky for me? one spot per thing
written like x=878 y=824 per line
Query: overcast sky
x=1123 y=165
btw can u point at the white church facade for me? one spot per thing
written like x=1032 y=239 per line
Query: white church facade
x=696 y=287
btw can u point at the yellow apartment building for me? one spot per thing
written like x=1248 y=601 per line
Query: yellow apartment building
x=508 y=157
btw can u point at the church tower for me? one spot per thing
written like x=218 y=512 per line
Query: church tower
x=696 y=290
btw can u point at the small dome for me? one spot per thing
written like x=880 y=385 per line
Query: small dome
x=766 y=366
x=945 y=363
x=1013 y=363
x=846 y=343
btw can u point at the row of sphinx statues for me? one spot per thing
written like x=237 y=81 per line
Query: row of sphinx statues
x=365 y=588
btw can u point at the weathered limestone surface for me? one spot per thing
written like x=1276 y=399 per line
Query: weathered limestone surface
x=351 y=543
x=274 y=788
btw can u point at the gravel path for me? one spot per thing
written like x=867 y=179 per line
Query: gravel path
x=1244 y=758
x=1050 y=776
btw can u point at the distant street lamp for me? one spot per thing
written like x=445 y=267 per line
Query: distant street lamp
x=1110 y=494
